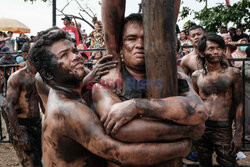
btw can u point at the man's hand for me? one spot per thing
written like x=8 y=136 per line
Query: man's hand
x=235 y=145
x=103 y=66
x=119 y=115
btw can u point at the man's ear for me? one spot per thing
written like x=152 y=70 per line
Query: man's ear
x=47 y=76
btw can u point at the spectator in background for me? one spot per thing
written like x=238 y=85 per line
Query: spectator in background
x=184 y=42
x=223 y=30
x=97 y=36
x=240 y=53
x=85 y=39
x=239 y=35
x=3 y=47
x=32 y=38
x=84 y=32
x=247 y=96
x=10 y=42
x=20 y=41
x=70 y=29
x=78 y=27
x=183 y=38
x=232 y=31
x=232 y=45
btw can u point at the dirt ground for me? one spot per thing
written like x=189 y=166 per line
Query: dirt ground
x=8 y=156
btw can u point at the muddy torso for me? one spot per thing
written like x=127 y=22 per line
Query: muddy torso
x=216 y=89
x=27 y=105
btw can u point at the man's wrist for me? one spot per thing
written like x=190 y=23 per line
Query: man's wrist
x=138 y=110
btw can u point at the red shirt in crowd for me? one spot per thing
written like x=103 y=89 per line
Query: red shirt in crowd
x=73 y=33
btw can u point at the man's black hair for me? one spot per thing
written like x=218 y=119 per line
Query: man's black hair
x=202 y=44
x=41 y=58
x=133 y=17
x=41 y=33
x=193 y=27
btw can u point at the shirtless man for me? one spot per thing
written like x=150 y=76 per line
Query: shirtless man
x=101 y=68
x=220 y=87
x=112 y=19
x=166 y=119
x=23 y=115
x=72 y=133
x=190 y=63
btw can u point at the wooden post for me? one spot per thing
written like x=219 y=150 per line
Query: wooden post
x=160 y=50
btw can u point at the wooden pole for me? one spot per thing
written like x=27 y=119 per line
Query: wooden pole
x=160 y=51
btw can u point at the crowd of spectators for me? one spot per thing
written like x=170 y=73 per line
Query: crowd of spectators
x=231 y=36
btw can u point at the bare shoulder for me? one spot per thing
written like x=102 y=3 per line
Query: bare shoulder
x=197 y=73
x=234 y=72
x=185 y=59
x=62 y=108
x=17 y=77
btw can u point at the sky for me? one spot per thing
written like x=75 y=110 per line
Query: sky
x=38 y=16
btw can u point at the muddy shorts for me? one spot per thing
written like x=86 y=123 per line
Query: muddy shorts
x=217 y=137
x=32 y=156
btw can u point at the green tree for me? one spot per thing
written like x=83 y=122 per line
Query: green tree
x=215 y=17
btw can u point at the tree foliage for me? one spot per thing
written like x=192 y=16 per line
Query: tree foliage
x=215 y=17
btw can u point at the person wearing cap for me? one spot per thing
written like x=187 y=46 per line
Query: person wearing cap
x=70 y=29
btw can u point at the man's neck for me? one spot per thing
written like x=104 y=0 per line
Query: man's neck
x=213 y=67
x=69 y=91
x=137 y=74
x=195 y=51
x=30 y=69
x=67 y=25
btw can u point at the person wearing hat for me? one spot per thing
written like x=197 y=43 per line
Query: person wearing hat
x=70 y=29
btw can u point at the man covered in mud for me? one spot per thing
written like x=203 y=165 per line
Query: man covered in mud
x=220 y=87
x=168 y=119
x=72 y=133
x=23 y=114
x=190 y=62
x=101 y=68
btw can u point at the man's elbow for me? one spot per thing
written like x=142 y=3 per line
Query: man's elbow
x=202 y=112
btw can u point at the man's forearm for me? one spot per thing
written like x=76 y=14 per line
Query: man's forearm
x=140 y=130
x=239 y=121
x=13 y=120
x=112 y=17
x=178 y=109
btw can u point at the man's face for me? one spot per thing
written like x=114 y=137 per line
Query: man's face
x=133 y=45
x=223 y=30
x=213 y=52
x=70 y=64
x=66 y=22
x=182 y=35
x=195 y=36
x=238 y=31
x=9 y=34
x=227 y=38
